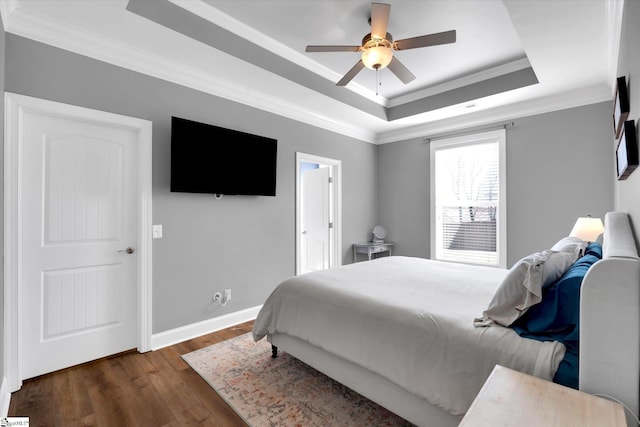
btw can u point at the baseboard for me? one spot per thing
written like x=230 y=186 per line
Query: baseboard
x=194 y=330
x=5 y=398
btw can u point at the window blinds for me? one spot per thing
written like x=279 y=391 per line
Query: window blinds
x=467 y=187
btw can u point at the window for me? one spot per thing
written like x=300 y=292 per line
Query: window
x=468 y=190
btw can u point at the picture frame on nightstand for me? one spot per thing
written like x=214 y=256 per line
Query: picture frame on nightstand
x=620 y=106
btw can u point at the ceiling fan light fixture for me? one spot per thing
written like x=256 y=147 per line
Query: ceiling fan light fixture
x=377 y=47
x=377 y=57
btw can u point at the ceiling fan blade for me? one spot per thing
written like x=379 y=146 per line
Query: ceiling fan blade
x=351 y=74
x=332 y=48
x=400 y=70
x=427 y=40
x=379 y=19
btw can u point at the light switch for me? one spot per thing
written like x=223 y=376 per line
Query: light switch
x=157 y=231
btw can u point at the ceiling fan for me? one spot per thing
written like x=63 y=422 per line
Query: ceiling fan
x=378 y=46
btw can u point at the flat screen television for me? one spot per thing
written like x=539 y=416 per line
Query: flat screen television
x=627 y=151
x=212 y=159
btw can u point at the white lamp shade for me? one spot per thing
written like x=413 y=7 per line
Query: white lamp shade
x=377 y=57
x=587 y=228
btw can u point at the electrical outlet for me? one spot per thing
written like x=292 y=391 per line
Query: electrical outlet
x=217 y=297
x=227 y=295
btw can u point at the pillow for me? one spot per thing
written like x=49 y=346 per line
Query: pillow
x=595 y=249
x=522 y=287
x=574 y=245
x=557 y=316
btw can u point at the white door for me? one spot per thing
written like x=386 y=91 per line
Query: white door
x=321 y=205
x=316 y=210
x=78 y=215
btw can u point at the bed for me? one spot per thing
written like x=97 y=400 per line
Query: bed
x=391 y=331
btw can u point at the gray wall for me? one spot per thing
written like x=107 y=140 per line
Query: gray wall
x=558 y=168
x=403 y=197
x=628 y=191
x=243 y=243
x=2 y=65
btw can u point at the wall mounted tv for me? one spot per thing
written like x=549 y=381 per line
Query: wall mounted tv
x=211 y=159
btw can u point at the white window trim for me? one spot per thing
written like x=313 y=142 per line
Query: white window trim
x=475 y=138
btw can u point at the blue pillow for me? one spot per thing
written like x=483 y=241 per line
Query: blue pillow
x=595 y=249
x=556 y=317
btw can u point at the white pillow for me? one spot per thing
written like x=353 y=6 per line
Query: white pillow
x=522 y=287
x=574 y=245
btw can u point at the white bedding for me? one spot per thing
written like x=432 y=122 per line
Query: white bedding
x=409 y=320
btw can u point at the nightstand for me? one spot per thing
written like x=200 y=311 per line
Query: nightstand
x=371 y=248
x=512 y=399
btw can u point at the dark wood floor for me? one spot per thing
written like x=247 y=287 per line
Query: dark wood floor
x=129 y=389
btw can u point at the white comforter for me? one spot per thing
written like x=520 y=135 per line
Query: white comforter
x=409 y=320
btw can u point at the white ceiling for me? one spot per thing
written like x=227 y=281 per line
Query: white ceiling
x=298 y=23
x=252 y=51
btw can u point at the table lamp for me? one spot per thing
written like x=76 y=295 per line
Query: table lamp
x=587 y=228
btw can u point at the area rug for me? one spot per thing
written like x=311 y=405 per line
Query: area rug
x=282 y=391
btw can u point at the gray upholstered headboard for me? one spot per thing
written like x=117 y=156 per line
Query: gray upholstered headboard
x=610 y=318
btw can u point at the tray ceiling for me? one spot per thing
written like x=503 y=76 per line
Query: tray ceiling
x=511 y=58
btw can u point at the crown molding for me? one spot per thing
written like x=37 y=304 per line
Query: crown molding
x=126 y=56
x=286 y=101
x=542 y=105
x=222 y=20
x=615 y=10
x=6 y=9
x=497 y=71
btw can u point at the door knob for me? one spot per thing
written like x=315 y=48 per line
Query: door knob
x=129 y=250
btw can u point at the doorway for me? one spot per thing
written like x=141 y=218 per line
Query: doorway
x=318 y=213
x=77 y=240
